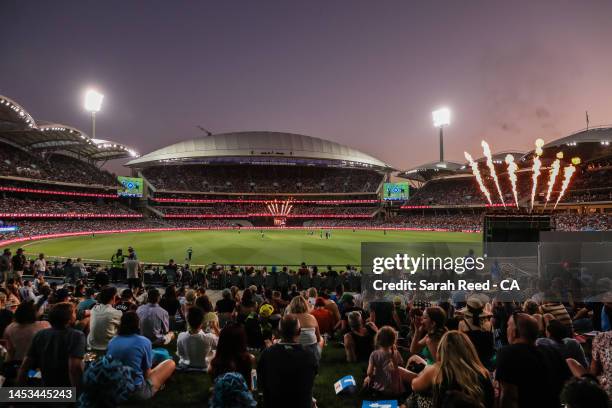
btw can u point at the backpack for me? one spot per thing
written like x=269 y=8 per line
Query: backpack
x=107 y=383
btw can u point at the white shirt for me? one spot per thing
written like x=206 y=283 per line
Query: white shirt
x=192 y=349
x=103 y=326
x=40 y=265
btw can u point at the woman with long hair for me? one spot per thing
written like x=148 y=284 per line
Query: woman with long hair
x=310 y=336
x=457 y=369
x=232 y=354
x=431 y=330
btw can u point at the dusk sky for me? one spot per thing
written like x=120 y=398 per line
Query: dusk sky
x=362 y=73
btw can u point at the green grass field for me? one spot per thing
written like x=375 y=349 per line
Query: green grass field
x=277 y=247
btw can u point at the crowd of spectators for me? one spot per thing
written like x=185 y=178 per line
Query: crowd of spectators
x=590 y=183
x=265 y=179
x=55 y=167
x=31 y=228
x=260 y=208
x=12 y=205
x=266 y=344
x=583 y=222
x=451 y=222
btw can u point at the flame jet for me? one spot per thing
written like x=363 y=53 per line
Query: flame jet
x=476 y=172
x=487 y=152
x=512 y=168
x=537 y=165
x=568 y=172
x=554 y=172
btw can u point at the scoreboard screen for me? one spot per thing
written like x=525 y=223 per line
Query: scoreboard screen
x=396 y=191
x=130 y=186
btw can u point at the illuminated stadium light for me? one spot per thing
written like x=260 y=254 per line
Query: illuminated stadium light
x=441 y=117
x=93 y=100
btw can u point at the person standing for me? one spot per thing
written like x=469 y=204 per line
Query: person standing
x=5 y=264
x=189 y=254
x=40 y=265
x=19 y=263
x=117 y=265
x=132 y=267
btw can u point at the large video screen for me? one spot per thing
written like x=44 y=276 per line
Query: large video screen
x=396 y=191
x=130 y=186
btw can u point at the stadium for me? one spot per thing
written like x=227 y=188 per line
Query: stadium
x=225 y=188
x=267 y=213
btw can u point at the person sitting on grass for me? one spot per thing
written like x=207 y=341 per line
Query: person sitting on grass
x=232 y=354
x=386 y=373
x=324 y=317
x=194 y=345
x=104 y=319
x=457 y=368
x=310 y=337
x=429 y=333
x=359 y=342
x=58 y=351
x=136 y=351
x=567 y=347
x=286 y=370
x=154 y=321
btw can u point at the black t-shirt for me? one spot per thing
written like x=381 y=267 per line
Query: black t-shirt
x=285 y=374
x=383 y=311
x=6 y=318
x=18 y=262
x=50 y=351
x=171 y=305
x=126 y=306
x=538 y=372
x=225 y=305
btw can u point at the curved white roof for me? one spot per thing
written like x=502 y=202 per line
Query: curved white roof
x=258 y=144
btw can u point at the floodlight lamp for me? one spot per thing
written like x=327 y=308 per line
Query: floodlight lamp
x=441 y=117
x=93 y=100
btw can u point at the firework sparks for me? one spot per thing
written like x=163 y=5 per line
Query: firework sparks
x=476 y=172
x=512 y=168
x=537 y=165
x=487 y=152
x=554 y=172
x=279 y=211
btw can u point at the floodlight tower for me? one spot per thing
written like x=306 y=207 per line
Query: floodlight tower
x=93 y=103
x=441 y=118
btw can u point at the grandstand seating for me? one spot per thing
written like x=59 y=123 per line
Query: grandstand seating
x=262 y=179
x=54 y=167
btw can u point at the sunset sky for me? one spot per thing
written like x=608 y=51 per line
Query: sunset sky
x=362 y=73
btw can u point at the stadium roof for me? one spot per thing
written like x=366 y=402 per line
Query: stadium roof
x=594 y=135
x=260 y=147
x=19 y=128
x=431 y=170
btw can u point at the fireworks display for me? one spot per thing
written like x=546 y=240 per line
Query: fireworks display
x=536 y=171
x=279 y=208
x=552 y=177
x=476 y=172
x=512 y=168
x=487 y=152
